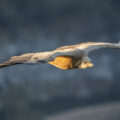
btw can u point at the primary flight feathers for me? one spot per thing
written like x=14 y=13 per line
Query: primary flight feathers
x=65 y=57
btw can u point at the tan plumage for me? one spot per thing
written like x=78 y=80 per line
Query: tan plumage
x=65 y=57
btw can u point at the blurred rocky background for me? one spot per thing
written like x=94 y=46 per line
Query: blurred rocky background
x=34 y=92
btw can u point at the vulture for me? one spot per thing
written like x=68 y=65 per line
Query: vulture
x=65 y=57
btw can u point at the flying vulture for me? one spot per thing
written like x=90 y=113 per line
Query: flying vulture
x=65 y=57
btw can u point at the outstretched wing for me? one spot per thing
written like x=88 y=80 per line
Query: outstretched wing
x=91 y=46
x=41 y=57
x=27 y=58
x=17 y=60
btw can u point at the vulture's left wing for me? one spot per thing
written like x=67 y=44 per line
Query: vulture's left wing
x=91 y=46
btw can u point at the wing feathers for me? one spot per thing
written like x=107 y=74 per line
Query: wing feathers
x=17 y=60
x=29 y=58
x=5 y=64
x=91 y=46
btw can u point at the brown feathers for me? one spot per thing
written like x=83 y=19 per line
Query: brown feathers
x=64 y=62
x=68 y=62
x=5 y=64
x=16 y=60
